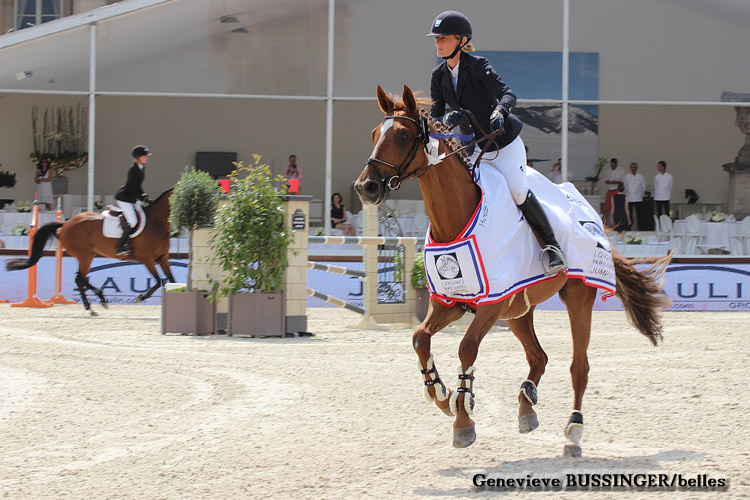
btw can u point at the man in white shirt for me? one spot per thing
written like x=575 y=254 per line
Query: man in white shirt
x=614 y=176
x=662 y=189
x=635 y=187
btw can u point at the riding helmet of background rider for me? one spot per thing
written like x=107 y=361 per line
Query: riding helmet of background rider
x=469 y=82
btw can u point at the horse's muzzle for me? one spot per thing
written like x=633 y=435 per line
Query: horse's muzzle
x=371 y=191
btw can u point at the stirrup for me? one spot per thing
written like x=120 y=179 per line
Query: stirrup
x=551 y=270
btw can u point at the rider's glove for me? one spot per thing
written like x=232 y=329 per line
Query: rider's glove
x=497 y=120
x=454 y=118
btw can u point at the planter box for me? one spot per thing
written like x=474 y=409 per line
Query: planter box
x=259 y=314
x=423 y=302
x=187 y=312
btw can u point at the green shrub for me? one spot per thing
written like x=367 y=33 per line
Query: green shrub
x=193 y=205
x=418 y=275
x=250 y=240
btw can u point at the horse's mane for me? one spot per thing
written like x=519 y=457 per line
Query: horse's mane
x=165 y=193
x=423 y=105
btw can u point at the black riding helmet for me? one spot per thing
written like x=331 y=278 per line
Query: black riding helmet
x=139 y=151
x=451 y=22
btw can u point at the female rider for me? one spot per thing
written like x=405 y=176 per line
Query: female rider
x=465 y=81
x=132 y=193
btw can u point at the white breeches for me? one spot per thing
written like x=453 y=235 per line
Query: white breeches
x=511 y=162
x=128 y=211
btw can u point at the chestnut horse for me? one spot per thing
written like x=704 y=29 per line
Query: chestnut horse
x=451 y=198
x=82 y=237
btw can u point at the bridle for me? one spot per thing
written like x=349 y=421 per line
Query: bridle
x=423 y=138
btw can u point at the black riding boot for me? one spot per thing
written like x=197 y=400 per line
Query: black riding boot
x=122 y=245
x=539 y=223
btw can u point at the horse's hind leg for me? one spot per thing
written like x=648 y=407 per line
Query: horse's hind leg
x=163 y=262
x=579 y=299
x=523 y=329
x=83 y=284
x=438 y=317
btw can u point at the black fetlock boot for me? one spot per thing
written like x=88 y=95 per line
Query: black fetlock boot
x=122 y=245
x=539 y=223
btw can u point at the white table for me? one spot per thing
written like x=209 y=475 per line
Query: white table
x=9 y=220
x=652 y=249
x=717 y=234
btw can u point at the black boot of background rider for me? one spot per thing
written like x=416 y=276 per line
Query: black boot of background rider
x=539 y=223
x=122 y=245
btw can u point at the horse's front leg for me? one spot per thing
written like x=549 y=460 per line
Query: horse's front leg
x=438 y=317
x=152 y=269
x=462 y=401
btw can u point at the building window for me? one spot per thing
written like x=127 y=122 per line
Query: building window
x=33 y=12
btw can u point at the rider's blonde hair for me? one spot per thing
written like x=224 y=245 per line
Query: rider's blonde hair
x=469 y=47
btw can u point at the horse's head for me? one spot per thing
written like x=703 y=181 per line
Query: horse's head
x=398 y=151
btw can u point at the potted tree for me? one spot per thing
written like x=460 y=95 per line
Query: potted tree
x=419 y=283
x=193 y=206
x=250 y=243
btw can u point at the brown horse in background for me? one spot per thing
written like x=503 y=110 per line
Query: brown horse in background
x=451 y=197
x=83 y=238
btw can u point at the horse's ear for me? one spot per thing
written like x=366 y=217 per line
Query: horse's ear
x=384 y=101
x=409 y=101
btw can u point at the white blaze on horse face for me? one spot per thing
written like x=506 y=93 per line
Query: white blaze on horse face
x=387 y=124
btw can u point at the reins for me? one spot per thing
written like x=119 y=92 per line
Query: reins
x=422 y=138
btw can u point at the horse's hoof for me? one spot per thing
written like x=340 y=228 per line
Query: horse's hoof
x=93 y=313
x=572 y=450
x=447 y=411
x=463 y=438
x=138 y=299
x=105 y=305
x=527 y=423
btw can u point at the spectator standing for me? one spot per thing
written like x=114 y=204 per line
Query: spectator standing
x=43 y=180
x=635 y=188
x=662 y=188
x=614 y=176
x=621 y=220
x=293 y=171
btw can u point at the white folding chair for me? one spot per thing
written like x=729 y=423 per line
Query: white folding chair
x=665 y=226
x=675 y=243
x=693 y=230
x=738 y=242
x=657 y=228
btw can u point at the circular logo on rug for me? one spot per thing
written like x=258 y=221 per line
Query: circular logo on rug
x=447 y=266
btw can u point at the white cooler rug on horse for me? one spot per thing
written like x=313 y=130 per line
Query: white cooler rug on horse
x=497 y=254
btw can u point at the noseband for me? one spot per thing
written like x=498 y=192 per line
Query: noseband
x=422 y=138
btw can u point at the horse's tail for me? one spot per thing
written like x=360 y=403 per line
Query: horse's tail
x=37 y=247
x=642 y=294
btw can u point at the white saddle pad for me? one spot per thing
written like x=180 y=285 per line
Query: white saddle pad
x=497 y=254
x=111 y=223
